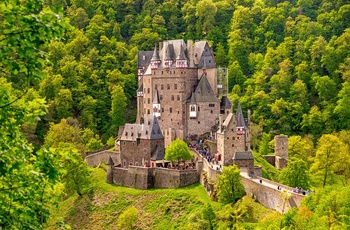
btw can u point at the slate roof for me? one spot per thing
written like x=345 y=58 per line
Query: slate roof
x=202 y=56
x=204 y=92
x=225 y=103
x=157 y=153
x=155 y=56
x=144 y=58
x=149 y=130
x=156 y=98
x=239 y=116
x=181 y=55
x=247 y=155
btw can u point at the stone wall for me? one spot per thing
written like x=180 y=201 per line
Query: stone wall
x=270 y=197
x=97 y=158
x=271 y=159
x=145 y=178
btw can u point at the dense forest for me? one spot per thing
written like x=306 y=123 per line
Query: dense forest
x=69 y=79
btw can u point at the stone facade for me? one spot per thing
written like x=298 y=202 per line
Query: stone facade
x=146 y=178
x=233 y=136
x=281 y=151
x=142 y=144
x=177 y=71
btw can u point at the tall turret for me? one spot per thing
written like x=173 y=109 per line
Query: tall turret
x=155 y=61
x=181 y=60
x=156 y=105
x=168 y=58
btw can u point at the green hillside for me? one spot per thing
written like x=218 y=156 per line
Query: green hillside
x=158 y=208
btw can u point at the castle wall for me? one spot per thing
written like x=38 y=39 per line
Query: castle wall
x=270 y=159
x=270 y=197
x=96 y=158
x=145 y=178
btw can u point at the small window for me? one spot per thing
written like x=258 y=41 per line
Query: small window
x=228 y=138
x=175 y=86
x=148 y=90
x=237 y=138
x=211 y=111
x=126 y=133
x=178 y=97
x=233 y=145
x=170 y=110
x=162 y=110
x=162 y=72
x=199 y=122
x=155 y=86
x=168 y=86
x=161 y=97
x=148 y=100
x=172 y=97
x=198 y=109
x=148 y=112
x=161 y=87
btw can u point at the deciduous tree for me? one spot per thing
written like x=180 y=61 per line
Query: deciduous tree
x=177 y=150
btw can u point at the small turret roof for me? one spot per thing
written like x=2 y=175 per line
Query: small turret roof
x=155 y=56
x=181 y=55
x=239 y=116
x=156 y=98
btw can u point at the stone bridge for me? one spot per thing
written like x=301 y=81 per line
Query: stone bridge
x=266 y=192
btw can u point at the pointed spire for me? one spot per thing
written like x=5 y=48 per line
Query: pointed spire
x=239 y=116
x=181 y=55
x=156 y=98
x=155 y=56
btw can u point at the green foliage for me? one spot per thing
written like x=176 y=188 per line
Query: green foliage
x=296 y=174
x=229 y=185
x=128 y=219
x=178 y=150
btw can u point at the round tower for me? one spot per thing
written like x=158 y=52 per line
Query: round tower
x=110 y=165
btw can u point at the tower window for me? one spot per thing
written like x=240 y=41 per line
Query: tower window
x=170 y=110
x=168 y=86
x=161 y=87
x=175 y=86
x=172 y=97
x=148 y=90
x=178 y=97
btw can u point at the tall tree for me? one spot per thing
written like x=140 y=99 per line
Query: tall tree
x=296 y=174
x=229 y=185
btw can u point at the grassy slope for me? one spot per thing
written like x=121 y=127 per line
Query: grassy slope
x=158 y=208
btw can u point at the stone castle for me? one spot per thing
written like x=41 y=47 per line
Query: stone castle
x=177 y=98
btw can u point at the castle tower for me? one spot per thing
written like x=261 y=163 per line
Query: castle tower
x=181 y=60
x=281 y=151
x=156 y=105
x=168 y=58
x=155 y=61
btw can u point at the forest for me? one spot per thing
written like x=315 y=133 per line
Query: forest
x=69 y=79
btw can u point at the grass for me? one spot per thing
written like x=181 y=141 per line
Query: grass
x=158 y=208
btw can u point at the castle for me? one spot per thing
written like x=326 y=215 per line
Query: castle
x=177 y=98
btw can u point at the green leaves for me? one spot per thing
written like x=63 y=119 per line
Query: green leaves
x=178 y=150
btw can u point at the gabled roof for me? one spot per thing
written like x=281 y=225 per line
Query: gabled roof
x=149 y=130
x=156 y=98
x=239 y=116
x=205 y=57
x=204 y=92
x=157 y=153
x=247 y=155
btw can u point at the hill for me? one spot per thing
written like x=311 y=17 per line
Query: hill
x=158 y=208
